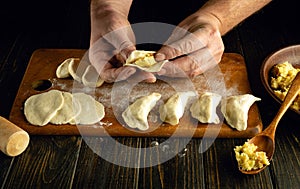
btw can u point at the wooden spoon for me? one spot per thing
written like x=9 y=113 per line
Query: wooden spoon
x=265 y=140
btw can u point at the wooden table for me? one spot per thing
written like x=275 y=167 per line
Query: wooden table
x=70 y=162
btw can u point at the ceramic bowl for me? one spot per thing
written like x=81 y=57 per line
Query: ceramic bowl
x=290 y=54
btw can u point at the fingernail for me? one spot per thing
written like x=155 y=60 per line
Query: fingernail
x=160 y=57
x=151 y=80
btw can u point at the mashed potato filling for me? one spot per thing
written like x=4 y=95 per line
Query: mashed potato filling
x=282 y=77
x=250 y=159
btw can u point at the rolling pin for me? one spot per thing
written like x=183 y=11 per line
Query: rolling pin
x=13 y=140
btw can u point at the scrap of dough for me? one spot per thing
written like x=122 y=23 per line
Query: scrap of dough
x=91 y=77
x=62 y=70
x=70 y=109
x=144 y=60
x=39 y=109
x=135 y=116
x=173 y=109
x=91 y=112
x=204 y=108
x=235 y=110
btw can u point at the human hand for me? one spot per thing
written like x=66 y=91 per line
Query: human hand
x=112 y=41
x=194 y=47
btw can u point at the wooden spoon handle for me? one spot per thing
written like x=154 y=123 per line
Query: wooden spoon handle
x=291 y=95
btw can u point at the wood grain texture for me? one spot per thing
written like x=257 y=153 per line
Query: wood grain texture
x=68 y=162
x=52 y=162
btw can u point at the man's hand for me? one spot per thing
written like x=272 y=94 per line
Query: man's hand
x=194 y=47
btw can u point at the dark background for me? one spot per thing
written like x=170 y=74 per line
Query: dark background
x=67 y=162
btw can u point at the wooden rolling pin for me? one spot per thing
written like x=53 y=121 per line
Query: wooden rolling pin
x=13 y=140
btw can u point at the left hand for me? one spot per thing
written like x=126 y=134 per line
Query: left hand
x=194 y=47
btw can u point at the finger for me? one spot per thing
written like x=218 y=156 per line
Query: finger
x=100 y=52
x=187 y=44
x=149 y=77
x=196 y=63
x=126 y=52
x=172 y=70
x=142 y=76
x=110 y=74
x=119 y=59
x=121 y=38
x=192 y=65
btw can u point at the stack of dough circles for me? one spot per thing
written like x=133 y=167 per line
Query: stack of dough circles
x=70 y=109
x=39 y=109
x=60 y=107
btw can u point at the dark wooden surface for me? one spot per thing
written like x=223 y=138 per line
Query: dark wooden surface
x=69 y=162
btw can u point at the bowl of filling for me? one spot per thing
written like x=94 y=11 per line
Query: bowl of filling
x=278 y=71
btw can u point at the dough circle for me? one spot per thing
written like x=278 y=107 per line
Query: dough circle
x=70 y=109
x=91 y=112
x=39 y=109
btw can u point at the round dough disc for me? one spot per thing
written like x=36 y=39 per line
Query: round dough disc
x=39 y=109
x=70 y=109
x=91 y=112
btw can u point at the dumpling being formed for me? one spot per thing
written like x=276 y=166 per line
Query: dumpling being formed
x=144 y=60
x=204 y=108
x=173 y=109
x=135 y=116
x=235 y=110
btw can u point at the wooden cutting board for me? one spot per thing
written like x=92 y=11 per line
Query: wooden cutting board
x=230 y=75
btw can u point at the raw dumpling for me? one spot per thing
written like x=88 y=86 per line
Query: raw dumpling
x=173 y=109
x=76 y=69
x=135 y=116
x=204 y=108
x=62 y=70
x=235 y=110
x=91 y=77
x=144 y=60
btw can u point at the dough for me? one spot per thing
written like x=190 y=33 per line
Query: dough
x=39 y=109
x=91 y=77
x=144 y=60
x=91 y=112
x=173 y=109
x=62 y=70
x=135 y=116
x=81 y=71
x=235 y=110
x=68 y=111
x=205 y=108
x=77 y=68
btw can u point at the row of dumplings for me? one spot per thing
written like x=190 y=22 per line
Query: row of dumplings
x=204 y=109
